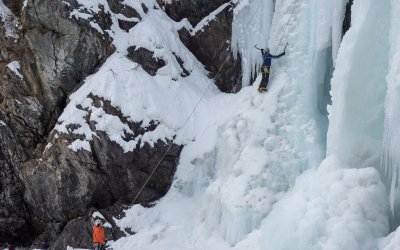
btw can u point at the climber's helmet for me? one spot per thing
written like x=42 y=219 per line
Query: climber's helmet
x=97 y=222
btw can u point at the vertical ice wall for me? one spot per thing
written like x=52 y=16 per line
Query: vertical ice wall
x=330 y=14
x=364 y=117
x=309 y=67
x=256 y=33
x=262 y=149
x=391 y=139
x=359 y=86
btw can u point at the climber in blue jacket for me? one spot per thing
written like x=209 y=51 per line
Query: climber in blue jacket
x=265 y=68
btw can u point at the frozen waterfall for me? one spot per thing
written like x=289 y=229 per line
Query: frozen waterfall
x=312 y=164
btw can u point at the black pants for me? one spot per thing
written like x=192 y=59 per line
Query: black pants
x=98 y=246
x=265 y=78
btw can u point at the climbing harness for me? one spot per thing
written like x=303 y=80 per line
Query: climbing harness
x=191 y=114
x=266 y=71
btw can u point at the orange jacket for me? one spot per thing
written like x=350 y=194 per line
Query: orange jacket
x=98 y=235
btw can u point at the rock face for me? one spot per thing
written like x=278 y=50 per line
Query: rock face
x=64 y=184
x=146 y=59
x=193 y=10
x=347 y=18
x=55 y=53
x=14 y=5
x=47 y=190
x=78 y=180
x=211 y=45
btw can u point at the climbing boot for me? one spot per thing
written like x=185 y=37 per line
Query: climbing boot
x=262 y=90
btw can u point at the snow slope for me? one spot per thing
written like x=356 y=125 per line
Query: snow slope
x=252 y=174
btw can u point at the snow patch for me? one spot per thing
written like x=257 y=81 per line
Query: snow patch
x=80 y=144
x=10 y=21
x=24 y=4
x=15 y=66
x=97 y=27
x=98 y=214
x=71 y=248
x=203 y=23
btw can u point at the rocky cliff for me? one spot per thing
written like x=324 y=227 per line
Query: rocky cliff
x=48 y=191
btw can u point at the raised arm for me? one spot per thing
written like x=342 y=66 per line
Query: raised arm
x=278 y=56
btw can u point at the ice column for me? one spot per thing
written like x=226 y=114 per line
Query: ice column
x=338 y=11
x=359 y=86
x=391 y=139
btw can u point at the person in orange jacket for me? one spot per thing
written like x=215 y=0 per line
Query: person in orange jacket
x=98 y=235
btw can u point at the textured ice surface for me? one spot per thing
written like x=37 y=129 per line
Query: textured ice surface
x=325 y=16
x=359 y=87
x=391 y=242
x=391 y=139
x=360 y=84
x=332 y=207
x=256 y=33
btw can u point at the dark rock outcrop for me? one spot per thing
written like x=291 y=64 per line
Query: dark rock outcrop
x=146 y=59
x=347 y=18
x=212 y=47
x=14 y=5
x=78 y=233
x=126 y=25
x=193 y=10
x=118 y=7
x=185 y=72
x=55 y=53
x=64 y=184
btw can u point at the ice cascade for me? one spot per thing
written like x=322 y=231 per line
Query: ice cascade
x=265 y=171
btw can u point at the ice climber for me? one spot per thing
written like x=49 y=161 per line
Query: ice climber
x=44 y=245
x=98 y=235
x=267 y=57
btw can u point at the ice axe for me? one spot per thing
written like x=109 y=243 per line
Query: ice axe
x=285 y=47
x=255 y=46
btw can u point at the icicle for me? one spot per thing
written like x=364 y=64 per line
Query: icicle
x=339 y=9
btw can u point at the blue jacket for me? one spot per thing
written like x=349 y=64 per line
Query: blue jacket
x=44 y=245
x=267 y=57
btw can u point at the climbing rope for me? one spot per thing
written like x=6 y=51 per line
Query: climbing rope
x=287 y=24
x=191 y=114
